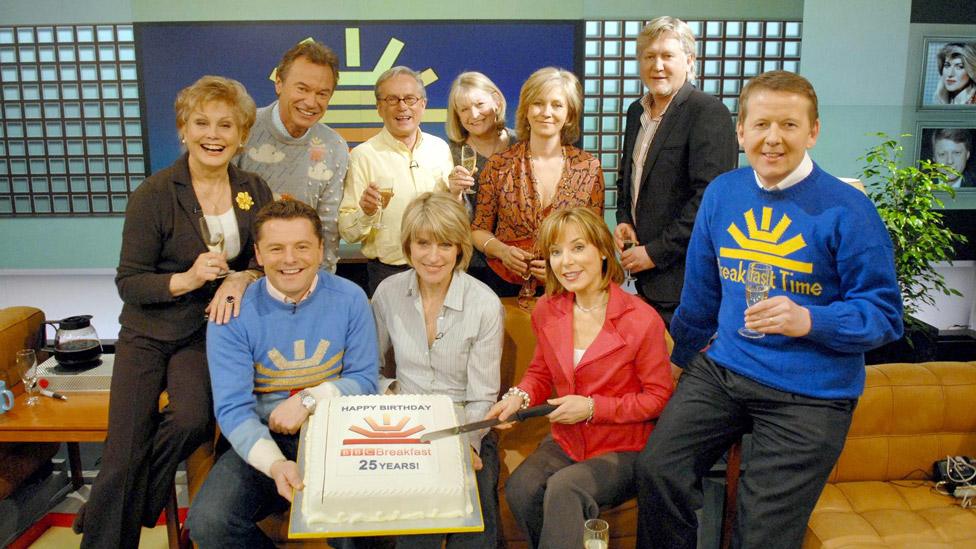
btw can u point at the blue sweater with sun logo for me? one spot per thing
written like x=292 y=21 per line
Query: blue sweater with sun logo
x=830 y=253
x=272 y=349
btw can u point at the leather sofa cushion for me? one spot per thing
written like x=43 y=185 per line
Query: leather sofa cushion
x=899 y=514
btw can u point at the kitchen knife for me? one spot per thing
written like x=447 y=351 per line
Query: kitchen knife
x=534 y=411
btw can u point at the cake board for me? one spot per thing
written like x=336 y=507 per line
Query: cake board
x=298 y=528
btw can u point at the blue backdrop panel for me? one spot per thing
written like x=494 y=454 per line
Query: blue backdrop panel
x=173 y=55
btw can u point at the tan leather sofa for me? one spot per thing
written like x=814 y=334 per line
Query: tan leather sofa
x=19 y=329
x=910 y=416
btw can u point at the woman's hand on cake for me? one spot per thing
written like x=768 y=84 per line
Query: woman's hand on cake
x=572 y=409
x=286 y=477
x=287 y=418
x=503 y=409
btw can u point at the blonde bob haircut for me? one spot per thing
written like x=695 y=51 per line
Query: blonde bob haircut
x=666 y=27
x=439 y=217
x=464 y=84
x=539 y=85
x=216 y=88
x=594 y=231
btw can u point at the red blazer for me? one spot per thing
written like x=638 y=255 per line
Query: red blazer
x=626 y=370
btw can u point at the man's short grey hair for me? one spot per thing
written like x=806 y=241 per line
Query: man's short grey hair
x=397 y=71
x=667 y=25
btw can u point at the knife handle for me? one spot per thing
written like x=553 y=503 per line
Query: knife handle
x=535 y=411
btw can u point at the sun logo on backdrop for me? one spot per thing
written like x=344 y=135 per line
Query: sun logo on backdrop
x=763 y=242
x=353 y=101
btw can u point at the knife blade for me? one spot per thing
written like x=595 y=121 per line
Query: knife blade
x=521 y=415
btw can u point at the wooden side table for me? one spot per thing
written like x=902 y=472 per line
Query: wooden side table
x=81 y=418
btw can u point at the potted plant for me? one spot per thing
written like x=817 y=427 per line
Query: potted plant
x=908 y=200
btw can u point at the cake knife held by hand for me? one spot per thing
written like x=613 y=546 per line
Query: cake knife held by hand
x=534 y=411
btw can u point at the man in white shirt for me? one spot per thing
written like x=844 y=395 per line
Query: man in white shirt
x=401 y=158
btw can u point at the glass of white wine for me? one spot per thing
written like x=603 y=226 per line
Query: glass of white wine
x=596 y=534
x=27 y=368
x=213 y=237
x=759 y=280
x=628 y=244
x=469 y=161
x=386 y=195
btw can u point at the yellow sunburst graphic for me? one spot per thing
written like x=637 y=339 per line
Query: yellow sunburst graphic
x=353 y=101
x=763 y=244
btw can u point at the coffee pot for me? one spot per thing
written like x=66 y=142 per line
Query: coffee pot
x=76 y=344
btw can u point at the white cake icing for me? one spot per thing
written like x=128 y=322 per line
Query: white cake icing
x=363 y=461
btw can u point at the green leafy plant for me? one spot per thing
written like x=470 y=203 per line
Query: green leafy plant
x=907 y=198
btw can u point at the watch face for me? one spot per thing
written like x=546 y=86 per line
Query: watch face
x=308 y=401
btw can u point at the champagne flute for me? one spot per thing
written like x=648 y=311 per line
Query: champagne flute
x=386 y=195
x=596 y=534
x=759 y=280
x=27 y=368
x=628 y=244
x=469 y=161
x=214 y=239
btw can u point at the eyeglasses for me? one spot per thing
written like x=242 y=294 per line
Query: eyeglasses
x=393 y=100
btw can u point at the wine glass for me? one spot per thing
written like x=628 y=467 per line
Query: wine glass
x=386 y=195
x=759 y=280
x=628 y=244
x=27 y=368
x=213 y=237
x=469 y=161
x=596 y=534
x=526 y=294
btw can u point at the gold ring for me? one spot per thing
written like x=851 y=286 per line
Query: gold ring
x=210 y=263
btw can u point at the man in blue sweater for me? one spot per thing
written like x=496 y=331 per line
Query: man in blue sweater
x=304 y=336
x=833 y=297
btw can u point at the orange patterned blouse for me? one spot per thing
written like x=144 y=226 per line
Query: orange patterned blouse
x=508 y=204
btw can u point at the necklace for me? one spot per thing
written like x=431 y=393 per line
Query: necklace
x=590 y=309
x=214 y=199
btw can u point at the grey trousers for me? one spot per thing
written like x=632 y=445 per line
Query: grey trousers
x=795 y=442
x=552 y=496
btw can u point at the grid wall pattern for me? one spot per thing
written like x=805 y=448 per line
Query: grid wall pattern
x=729 y=53
x=70 y=121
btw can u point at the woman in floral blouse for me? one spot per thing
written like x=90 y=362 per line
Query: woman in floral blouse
x=540 y=174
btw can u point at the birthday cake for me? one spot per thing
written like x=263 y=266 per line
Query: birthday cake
x=364 y=461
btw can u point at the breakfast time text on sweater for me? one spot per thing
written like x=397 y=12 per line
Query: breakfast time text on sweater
x=765 y=242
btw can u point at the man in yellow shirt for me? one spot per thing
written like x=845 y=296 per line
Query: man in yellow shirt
x=400 y=158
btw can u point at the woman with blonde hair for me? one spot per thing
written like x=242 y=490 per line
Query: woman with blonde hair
x=604 y=354
x=957 y=74
x=476 y=123
x=171 y=280
x=540 y=174
x=444 y=330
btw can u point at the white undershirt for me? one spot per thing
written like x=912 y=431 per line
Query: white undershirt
x=578 y=356
x=226 y=223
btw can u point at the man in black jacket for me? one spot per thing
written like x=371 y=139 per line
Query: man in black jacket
x=677 y=140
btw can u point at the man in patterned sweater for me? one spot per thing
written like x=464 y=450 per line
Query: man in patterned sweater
x=295 y=153
x=304 y=336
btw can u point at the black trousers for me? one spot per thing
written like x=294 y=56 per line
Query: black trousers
x=144 y=447
x=377 y=271
x=795 y=442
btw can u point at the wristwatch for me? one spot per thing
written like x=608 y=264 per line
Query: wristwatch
x=308 y=401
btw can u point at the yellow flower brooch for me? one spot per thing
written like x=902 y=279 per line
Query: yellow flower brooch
x=244 y=201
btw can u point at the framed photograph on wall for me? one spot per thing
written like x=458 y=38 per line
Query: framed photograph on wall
x=948 y=73
x=951 y=144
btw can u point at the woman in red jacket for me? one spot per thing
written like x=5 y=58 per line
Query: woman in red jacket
x=604 y=353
